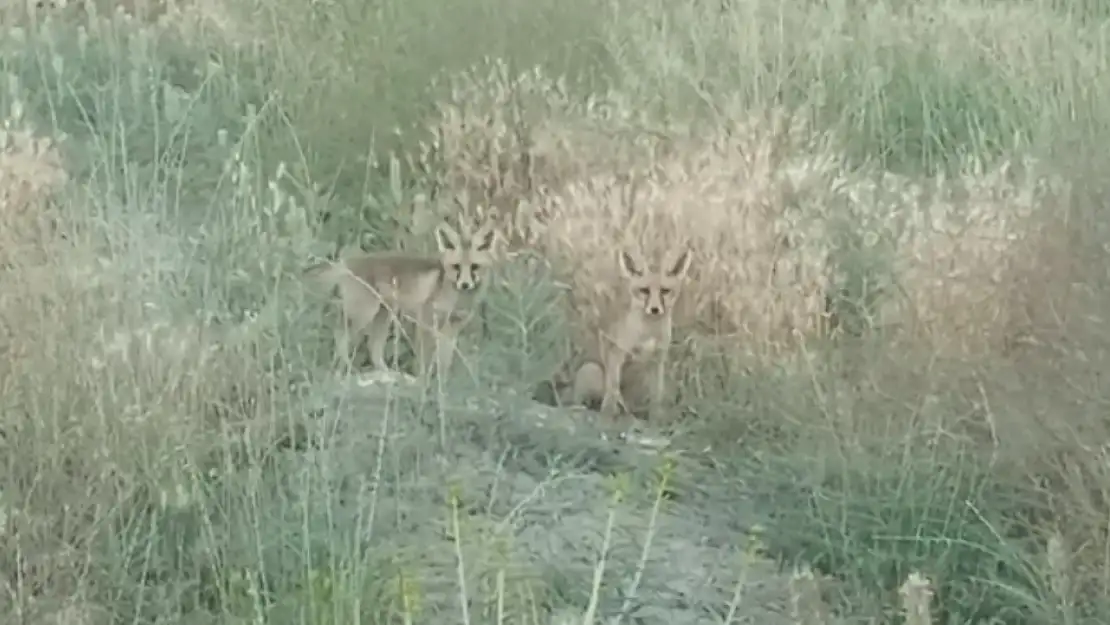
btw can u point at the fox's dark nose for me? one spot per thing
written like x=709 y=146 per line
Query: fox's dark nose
x=655 y=310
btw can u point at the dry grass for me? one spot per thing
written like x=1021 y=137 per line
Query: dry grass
x=501 y=141
x=151 y=320
x=776 y=217
x=106 y=391
x=31 y=172
x=977 y=265
x=974 y=255
x=722 y=201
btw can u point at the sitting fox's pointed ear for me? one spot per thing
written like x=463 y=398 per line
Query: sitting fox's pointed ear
x=680 y=265
x=447 y=238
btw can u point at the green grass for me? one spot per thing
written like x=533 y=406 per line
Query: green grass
x=178 y=448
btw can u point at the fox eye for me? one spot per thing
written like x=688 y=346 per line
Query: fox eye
x=475 y=268
x=644 y=291
x=664 y=292
x=457 y=267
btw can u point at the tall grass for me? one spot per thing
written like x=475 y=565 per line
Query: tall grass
x=922 y=414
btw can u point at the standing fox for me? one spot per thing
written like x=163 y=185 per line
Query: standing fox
x=637 y=331
x=435 y=292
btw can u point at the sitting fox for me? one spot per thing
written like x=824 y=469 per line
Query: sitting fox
x=637 y=331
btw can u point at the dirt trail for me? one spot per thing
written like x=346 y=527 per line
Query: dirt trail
x=535 y=485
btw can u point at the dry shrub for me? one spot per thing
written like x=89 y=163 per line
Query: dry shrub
x=775 y=217
x=500 y=141
x=958 y=267
x=31 y=172
x=974 y=256
x=751 y=204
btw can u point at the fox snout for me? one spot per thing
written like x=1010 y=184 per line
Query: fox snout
x=655 y=303
x=466 y=277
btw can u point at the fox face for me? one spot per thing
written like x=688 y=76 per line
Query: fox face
x=654 y=292
x=465 y=257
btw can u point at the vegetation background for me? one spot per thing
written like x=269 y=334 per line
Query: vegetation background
x=893 y=356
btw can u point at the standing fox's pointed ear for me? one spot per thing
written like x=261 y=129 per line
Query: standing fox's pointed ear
x=630 y=265
x=447 y=238
x=484 y=237
x=680 y=266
